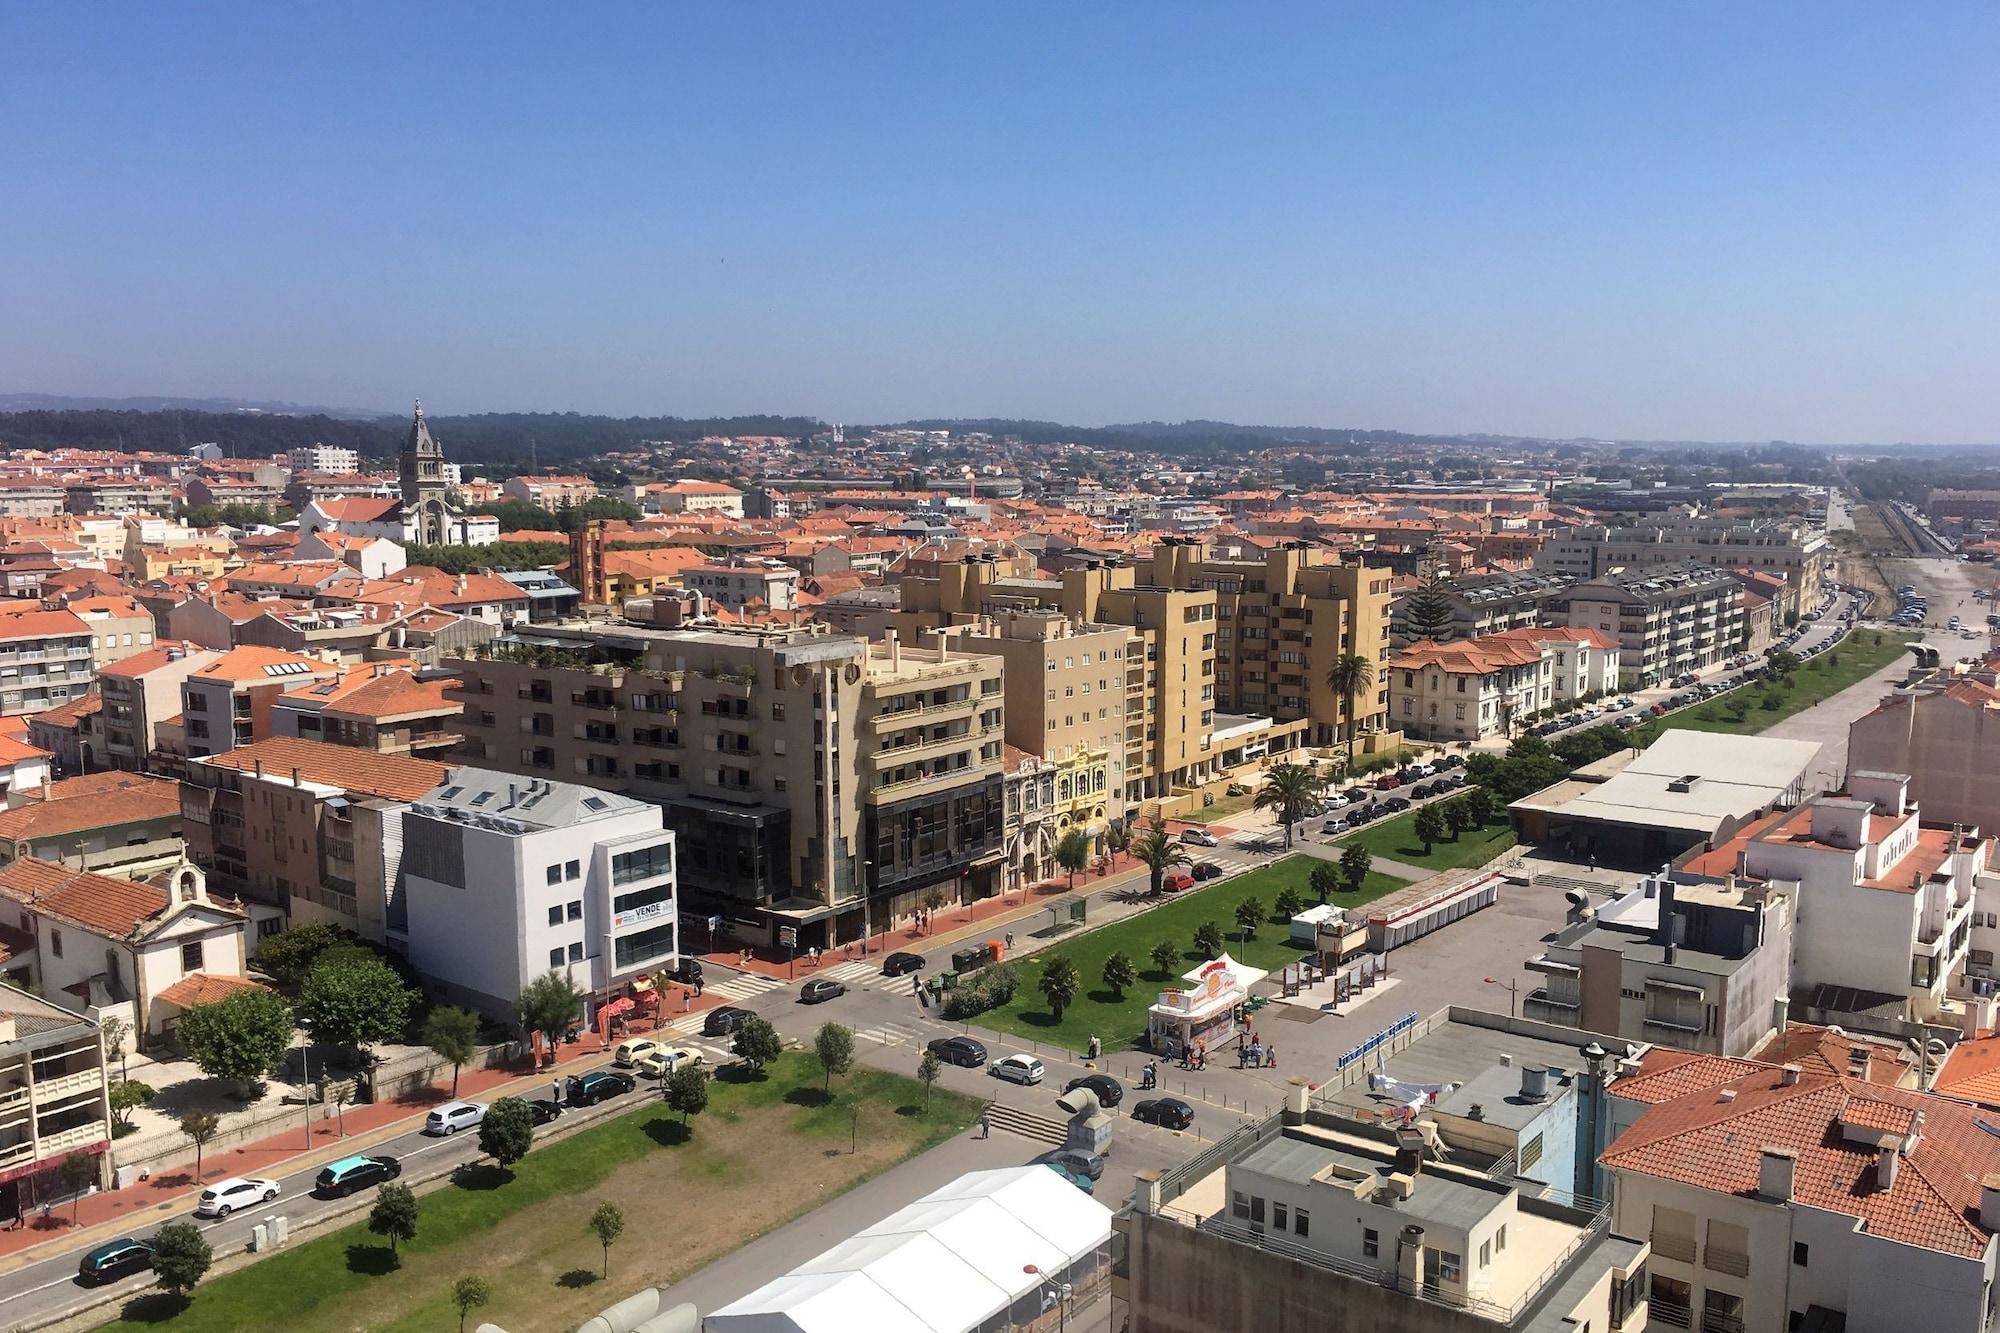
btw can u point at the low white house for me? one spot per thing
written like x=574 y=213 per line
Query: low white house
x=1583 y=661
x=505 y=878
x=1469 y=688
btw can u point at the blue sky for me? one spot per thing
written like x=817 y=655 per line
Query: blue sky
x=1666 y=221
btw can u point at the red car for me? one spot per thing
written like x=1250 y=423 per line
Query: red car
x=1658 y=710
x=1388 y=782
x=1178 y=880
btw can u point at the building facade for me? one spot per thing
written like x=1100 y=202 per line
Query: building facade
x=1468 y=689
x=1668 y=621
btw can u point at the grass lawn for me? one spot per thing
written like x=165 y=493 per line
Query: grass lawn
x=1122 y=1019
x=1860 y=657
x=763 y=1152
x=1397 y=840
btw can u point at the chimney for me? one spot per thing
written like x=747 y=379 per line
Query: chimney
x=260 y=768
x=1790 y=1076
x=295 y=777
x=1858 y=1061
x=1989 y=1201
x=895 y=650
x=1534 y=1083
x=1410 y=1258
x=1885 y=1170
x=1776 y=1168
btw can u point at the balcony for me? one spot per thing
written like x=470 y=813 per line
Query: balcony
x=924 y=714
x=1713 y=1321
x=1670 y=1313
x=1542 y=1007
x=67 y=1085
x=80 y=1137
x=1726 y=1261
x=971 y=773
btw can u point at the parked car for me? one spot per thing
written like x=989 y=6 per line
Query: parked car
x=724 y=1022
x=597 y=1086
x=902 y=964
x=1388 y=782
x=1204 y=870
x=541 y=1111
x=1333 y=828
x=961 y=1051
x=631 y=1052
x=687 y=971
x=1109 y=1092
x=349 y=1174
x=821 y=989
x=1624 y=701
x=1089 y=1165
x=1396 y=805
x=1083 y=1183
x=1176 y=881
x=1359 y=793
x=226 y=1196
x=452 y=1117
x=667 y=1059
x=1198 y=837
x=1451 y=761
x=115 y=1259
x=1166 y=1112
x=1017 y=1068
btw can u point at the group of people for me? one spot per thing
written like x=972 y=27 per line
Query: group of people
x=1254 y=1054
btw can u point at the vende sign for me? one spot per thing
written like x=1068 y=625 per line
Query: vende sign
x=638 y=914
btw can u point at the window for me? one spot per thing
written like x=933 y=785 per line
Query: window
x=1256 y=1210
x=1450 y=1268
x=1239 y=1205
x=555 y=915
x=576 y=910
x=572 y=870
x=1500 y=1240
x=55 y=943
x=1278 y=1218
x=1371 y=1242
x=1799 y=1253
x=555 y=874
x=1300 y=1220
x=191 y=956
x=576 y=953
x=555 y=956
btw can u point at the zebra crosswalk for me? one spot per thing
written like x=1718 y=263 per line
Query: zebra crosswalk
x=745 y=986
x=891 y=1034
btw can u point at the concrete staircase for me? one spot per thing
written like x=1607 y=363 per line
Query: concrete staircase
x=1027 y=1124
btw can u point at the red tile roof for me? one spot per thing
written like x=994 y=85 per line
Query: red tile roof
x=111 y=907
x=135 y=799
x=201 y=988
x=397 y=777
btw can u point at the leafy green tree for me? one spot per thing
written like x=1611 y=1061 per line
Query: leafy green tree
x=1249 y=915
x=1350 y=674
x=607 y=1223
x=453 y=1036
x=1289 y=903
x=1117 y=837
x=181 y=1258
x=77 y=1171
x=687 y=1090
x=394 y=1214
x=1325 y=880
x=934 y=899
x=1119 y=973
x=200 y=1127
x=354 y=1002
x=287 y=956
x=1431 y=826
x=1479 y=805
x=507 y=1131
x=1208 y=940
x=757 y=1043
x=1073 y=853
x=1782 y=664
x=1290 y=790
x=549 y=1004
x=519 y=515
x=241 y=1035
x=128 y=1095
x=1060 y=984
x=1355 y=863
x=469 y=1293
x=1159 y=853
x=833 y=1047
x=1164 y=955
x=929 y=1069
x=114 y=1030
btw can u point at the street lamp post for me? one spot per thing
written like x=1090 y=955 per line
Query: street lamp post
x=1062 y=1290
x=1513 y=990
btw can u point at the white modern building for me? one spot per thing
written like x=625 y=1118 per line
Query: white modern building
x=329 y=459
x=507 y=877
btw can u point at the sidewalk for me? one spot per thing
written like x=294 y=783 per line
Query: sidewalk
x=109 y=1213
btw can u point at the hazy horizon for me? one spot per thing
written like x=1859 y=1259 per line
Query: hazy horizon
x=1696 y=224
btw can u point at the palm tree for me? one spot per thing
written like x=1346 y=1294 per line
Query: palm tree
x=1290 y=789
x=1159 y=852
x=1350 y=674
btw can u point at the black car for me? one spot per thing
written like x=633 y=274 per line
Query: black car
x=687 y=971
x=1451 y=761
x=1424 y=790
x=902 y=964
x=1109 y=1090
x=114 y=1259
x=819 y=990
x=596 y=1086
x=349 y=1174
x=724 y=1022
x=1359 y=793
x=961 y=1051
x=1396 y=804
x=541 y=1110
x=1166 y=1112
x=1089 y=1165
x=1207 y=870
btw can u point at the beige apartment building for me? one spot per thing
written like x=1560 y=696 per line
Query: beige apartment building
x=1667 y=621
x=817 y=786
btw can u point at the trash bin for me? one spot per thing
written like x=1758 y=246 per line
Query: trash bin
x=966 y=960
x=949 y=980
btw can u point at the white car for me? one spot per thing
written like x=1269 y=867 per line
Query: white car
x=454 y=1116
x=225 y=1197
x=1023 y=1069
x=631 y=1052
x=666 y=1059
x=1195 y=837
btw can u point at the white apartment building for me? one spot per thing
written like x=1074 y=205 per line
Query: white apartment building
x=1782 y=1198
x=325 y=458
x=53 y=1095
x=1885 y=904
x=45 y=660
x=738 y=583
x=1667 y=621
x=505 y=878
x=1585 y=660
x=1469 y=688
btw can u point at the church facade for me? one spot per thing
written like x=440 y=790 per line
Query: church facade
x=421 y=515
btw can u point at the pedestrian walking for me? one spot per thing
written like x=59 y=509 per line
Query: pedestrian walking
x=1271 y=1057
x=985 y=1126
x=1010 y=941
